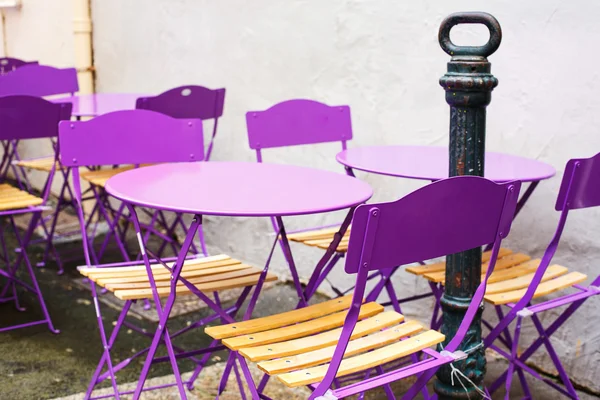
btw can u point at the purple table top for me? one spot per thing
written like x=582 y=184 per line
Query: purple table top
x=431 y=163
x=238 y=189
x=92 y=105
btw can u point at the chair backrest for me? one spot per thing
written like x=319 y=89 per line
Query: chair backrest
x=188 y=101
x=298 y=122
x=130 y=137
x=445 y=217
x=580 y=187
x=39 y=80
x=29 y=117
x=8 y=64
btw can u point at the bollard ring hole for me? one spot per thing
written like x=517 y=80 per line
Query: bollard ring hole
x=470 y=18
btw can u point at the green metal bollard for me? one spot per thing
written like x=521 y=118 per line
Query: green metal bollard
x=468 y=85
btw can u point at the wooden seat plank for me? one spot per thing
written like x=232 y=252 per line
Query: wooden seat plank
x=524 y=281
x=313 y=326
x=228 y=274
x=514 y=272
x=504 y=262
x=441 y=266
x=12 y=198
x=357 y=346
x=99 y=177
x=251 y=280
x=279 y=320
x=325 y=339
x=364 y=361
x=219 y=260
x=166 y=277
x=544 y=288
x=315 y=234
x=41 y=164
x=189 y=271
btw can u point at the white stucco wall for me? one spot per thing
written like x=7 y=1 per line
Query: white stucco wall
x=39 y=30
x=382 y=58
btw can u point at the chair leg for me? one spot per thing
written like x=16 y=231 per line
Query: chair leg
x=225 y=376
x=557 y=363
x=514 y=355
x=106 y=352
x=105 y=346
x=23 y=243
x=247 y=375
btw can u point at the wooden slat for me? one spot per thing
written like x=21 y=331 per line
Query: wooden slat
x=318 y=341
x=364 y=361
x=137 y=294
x=234 y=273
x=357 y=346
x=18 y=200
x=99 y=177
x=342 y=245
x=158 y=278
x=514 y=272
x=189 y=271
x=504 y=262
x=12 y=198
x=156 y=267
x=315 y=234
x=289 y=332
x=543 y=289
x=40 y=164
x=553 y=271
x=279 y=320
x=441 y=266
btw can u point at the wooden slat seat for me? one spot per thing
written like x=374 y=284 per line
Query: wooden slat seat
x=12 y=198
x=298 y=345
x=40 y=164
x=321 y=238
x=511 y=277
x=207 y=274
x=100 y=176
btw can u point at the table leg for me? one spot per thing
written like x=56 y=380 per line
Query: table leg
x=320 y=272
x=162 y=332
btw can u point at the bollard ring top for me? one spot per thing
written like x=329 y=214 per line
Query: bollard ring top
x=470 y=18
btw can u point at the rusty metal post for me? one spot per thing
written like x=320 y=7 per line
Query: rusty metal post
x=468 y=85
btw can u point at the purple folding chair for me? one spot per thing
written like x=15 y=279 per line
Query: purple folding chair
x=8 y=64
x=302 y=122
x=156 y=138
x=38 y=80
x=317 y=345
x=579 y=189
x=190 y=101
x=22 y=118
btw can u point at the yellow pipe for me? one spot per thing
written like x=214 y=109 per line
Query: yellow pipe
x=82 y=30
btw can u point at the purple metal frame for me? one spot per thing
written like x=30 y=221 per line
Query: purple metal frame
x=579 y=189
x=189 y=101
x=8 y=64
x=22 y=118
x=92 y=143
x=380 y=240
x=300 y=122
x=32 y=79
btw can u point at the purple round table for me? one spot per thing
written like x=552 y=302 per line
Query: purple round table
x=431 y=163
x=235 y=189
x=92 y=105
x=238 y=189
